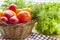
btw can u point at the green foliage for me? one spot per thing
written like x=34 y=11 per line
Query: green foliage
x=48 y=18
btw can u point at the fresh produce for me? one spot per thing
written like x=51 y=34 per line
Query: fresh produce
x=1 y=13
x=9 y=13
x=24 y=16
x=14 y=20
x=18 y=10
x=18 y=3
x=27 y=9
x=4 y=19
x=48 y=18
x=12 y=7
x=15 y=15
x=24 y=9
x=47 y=15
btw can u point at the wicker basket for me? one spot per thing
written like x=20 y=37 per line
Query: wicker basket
x=18 y=31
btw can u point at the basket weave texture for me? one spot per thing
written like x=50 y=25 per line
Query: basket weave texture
x=18 y=31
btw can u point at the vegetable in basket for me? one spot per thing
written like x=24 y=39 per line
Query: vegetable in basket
x=14 y=25
x=15 y=16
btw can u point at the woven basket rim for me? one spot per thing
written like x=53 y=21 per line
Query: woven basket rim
x=20 y=24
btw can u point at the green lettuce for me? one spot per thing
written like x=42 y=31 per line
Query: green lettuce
x=48 y=18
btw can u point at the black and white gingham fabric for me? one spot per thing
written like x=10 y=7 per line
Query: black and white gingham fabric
x=35 y=36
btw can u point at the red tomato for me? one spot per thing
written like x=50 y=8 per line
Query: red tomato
x=12 y=7
x=24 y=16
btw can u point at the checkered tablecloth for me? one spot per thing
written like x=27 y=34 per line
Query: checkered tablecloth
x=35 y=36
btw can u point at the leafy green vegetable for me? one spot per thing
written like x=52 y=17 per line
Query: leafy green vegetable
x=48 y=18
